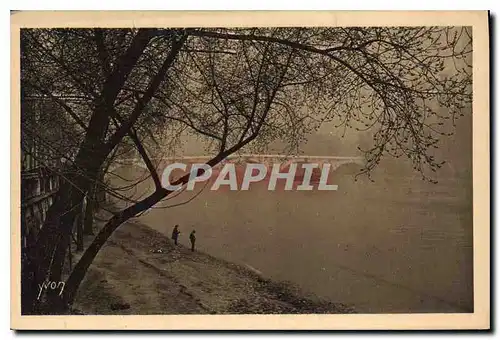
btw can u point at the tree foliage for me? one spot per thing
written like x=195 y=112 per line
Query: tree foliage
x=112 y=91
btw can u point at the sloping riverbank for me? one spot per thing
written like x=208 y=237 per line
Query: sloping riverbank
x=141 y=271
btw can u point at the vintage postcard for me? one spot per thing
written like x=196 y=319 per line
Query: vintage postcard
x=250 y=170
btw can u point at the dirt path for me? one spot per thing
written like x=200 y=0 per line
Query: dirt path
x=140 y=271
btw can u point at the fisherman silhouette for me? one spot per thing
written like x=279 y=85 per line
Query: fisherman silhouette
x=175 y=233
x=192 y=238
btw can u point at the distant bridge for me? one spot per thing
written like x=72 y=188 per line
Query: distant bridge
x=266 y=159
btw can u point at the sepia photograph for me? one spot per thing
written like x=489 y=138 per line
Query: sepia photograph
x=329 y=165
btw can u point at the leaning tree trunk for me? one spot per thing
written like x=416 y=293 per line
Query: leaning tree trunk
x=86 y=260
x=48 y=251
x=57 y=263
x=90 y=158
x=39 y=256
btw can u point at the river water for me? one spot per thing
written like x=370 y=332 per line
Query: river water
x=394 y=246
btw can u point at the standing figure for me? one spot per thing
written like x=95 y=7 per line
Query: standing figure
x=192 y=238
x=175 y=233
